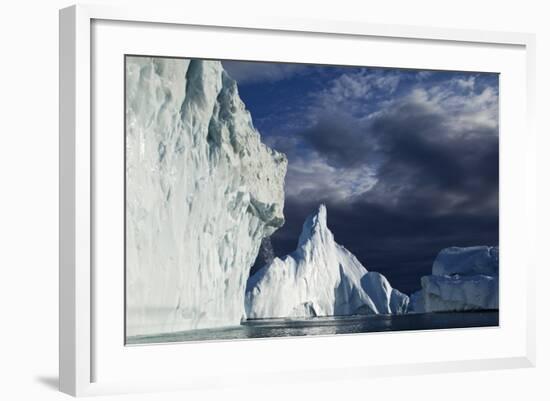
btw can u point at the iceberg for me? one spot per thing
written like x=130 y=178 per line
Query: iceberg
x=202 y=191
x=320 y=278
x=462 y=279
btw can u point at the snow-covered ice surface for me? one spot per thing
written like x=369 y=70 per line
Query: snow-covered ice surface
x=202 y=191
x=320 y=278
x=466 y=261
x=462 y=279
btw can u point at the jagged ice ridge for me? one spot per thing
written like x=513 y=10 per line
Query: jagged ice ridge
x=320 y=278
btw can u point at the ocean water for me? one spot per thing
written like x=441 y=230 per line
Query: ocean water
x=266 y=328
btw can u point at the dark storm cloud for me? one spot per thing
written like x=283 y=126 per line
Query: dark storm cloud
x=415 y=143
x=341 y=139
x=423 y=160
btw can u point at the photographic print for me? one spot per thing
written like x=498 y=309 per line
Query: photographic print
x=267 y=199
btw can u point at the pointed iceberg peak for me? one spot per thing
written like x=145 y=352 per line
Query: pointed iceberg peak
x=320 y=278
x=322 y=214
x=319 y=218
x=315 y=223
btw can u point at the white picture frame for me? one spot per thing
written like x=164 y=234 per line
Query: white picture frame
x=84 y=349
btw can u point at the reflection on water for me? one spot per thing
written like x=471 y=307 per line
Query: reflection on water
x=328 y=326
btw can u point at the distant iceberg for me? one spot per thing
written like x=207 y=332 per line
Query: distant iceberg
x=462 y=279
x=320 y=278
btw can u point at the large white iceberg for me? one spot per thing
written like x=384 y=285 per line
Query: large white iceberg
x=462 y=279
x=202 y=191
x=320 y=278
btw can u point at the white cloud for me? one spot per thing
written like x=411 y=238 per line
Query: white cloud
x=462 y=112
x=422 y=75
x=311 y=178
x=357 y=86
x=466 y=83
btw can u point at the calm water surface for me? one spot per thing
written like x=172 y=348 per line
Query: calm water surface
x=328 y=326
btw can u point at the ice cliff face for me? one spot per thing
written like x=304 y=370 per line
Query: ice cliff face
x=320 y=278
x=202 y=191
x=462 y=279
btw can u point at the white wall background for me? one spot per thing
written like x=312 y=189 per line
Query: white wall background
x=29 y=185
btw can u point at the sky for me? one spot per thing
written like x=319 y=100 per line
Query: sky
x=406 y=161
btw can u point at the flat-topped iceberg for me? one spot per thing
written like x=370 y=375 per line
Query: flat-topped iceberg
x=202 y=192
x=462 y=279
x=320 y=278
